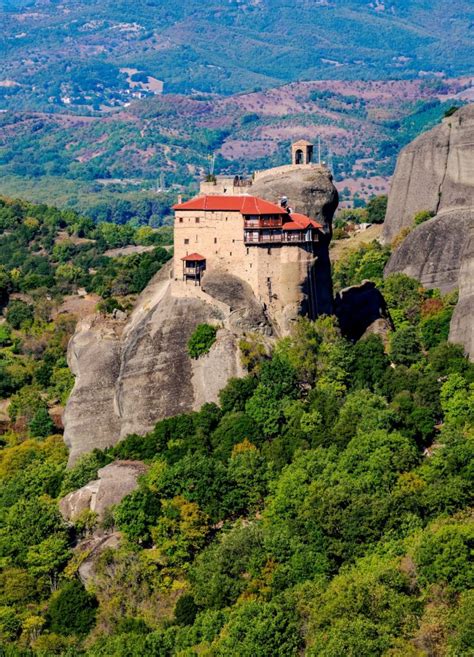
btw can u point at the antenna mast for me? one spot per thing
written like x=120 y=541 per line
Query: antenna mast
x=319 y=150
x=212 y=160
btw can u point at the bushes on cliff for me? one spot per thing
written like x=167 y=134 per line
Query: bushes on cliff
x=201 y=340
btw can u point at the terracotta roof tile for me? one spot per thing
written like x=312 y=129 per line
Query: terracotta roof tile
x=243 y=204
x=193 y=257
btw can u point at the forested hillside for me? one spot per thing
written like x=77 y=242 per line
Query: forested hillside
x=79 y=50
x=321 y=508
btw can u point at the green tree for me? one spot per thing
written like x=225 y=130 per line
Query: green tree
x=71 y=610
x=41 y=425
x=376 y=209
x=405 y=346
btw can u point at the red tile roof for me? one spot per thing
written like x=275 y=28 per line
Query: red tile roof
x=243 y=204
x=247 y=205
x=193 y=257
x=300 y=222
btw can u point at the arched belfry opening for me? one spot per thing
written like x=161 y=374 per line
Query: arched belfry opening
x=302 y=152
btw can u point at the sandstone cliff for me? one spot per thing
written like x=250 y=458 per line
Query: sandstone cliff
x=129 y=374
x=436 y=173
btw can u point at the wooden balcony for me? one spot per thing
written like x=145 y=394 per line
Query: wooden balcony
x=258 y=224
x=293 y=237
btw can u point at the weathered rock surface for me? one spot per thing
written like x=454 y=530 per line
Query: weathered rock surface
x=114 y=482
x=435 y=172
x=462 y=323
x=309 y=191
x=131 y=374
x=433 y=252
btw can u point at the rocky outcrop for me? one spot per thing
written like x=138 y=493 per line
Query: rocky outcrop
x=462 y=323
x=310 y=191
x=114 y=482
x=435 y=173
x=131 y=374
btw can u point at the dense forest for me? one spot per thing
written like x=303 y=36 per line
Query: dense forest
x=322 y=507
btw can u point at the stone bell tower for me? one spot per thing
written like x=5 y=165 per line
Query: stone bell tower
x=302 y=152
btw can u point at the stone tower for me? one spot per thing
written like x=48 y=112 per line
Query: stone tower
x=302 y=152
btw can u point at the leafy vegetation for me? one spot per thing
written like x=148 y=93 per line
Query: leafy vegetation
x=52 y=263
x=322 y=507
x=220 y=52
x=201 y=340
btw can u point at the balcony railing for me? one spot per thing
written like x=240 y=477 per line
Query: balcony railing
x=281 y=238
x=262 y=223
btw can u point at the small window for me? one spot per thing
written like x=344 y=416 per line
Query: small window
x=269 y=251
x=197 y=220
x=230 y=253
x=233 y=241
x=248 y=251
x=186 y=241
x=180 y=220
x=215 y=240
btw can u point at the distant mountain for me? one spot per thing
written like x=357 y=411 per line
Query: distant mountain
x=74 y=52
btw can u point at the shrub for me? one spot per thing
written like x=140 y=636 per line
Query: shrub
x=186 y=610
x=19 y=313
x=421 y=217
x=201 y=340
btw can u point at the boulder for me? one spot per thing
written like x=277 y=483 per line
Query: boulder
x=114 y=482
x=310 y=191
x=433 y=252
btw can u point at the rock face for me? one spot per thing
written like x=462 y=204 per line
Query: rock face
x=115 y=481
x=131 y=374
x=462 y=323
x=434 y=251
x=436 y=173
x=310 y=191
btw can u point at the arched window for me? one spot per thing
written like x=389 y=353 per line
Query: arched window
x=299 y=157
